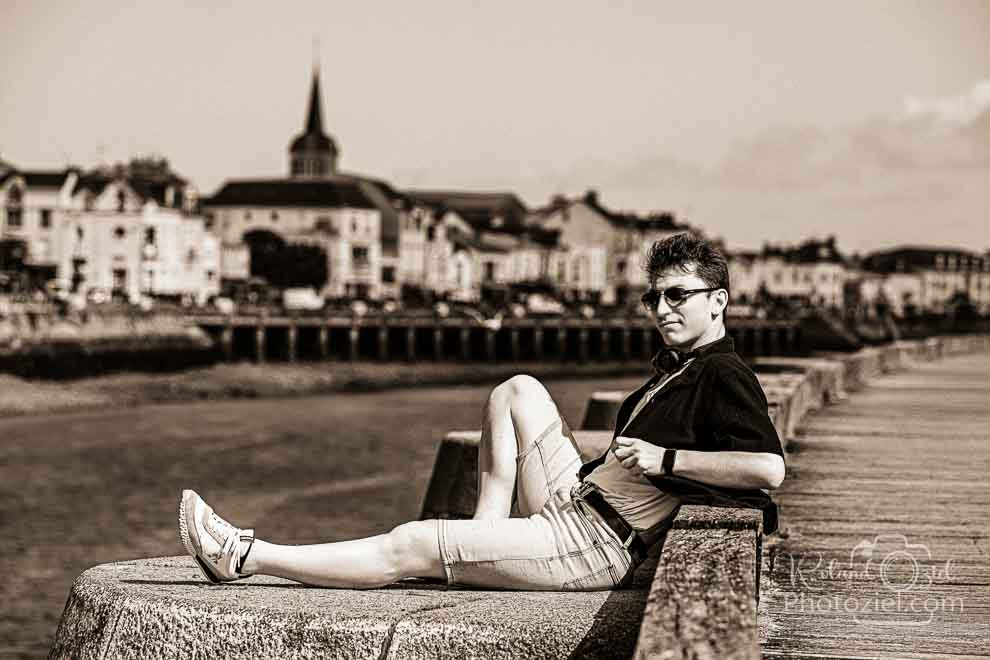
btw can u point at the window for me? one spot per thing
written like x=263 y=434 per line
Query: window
x=119 y=280
x=149 y=236
x=14 y=218
x=431 y=233
x=46 y=218
x=489 y=271
x=274 y=216
x=359 y=255
x=354 y=225
x=324 y=224
x=388 y=274
x=121 y=201
x=119 y=233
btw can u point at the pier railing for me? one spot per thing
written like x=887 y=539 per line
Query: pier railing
x=291 y=338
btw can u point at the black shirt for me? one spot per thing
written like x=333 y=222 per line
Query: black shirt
x=715 y=404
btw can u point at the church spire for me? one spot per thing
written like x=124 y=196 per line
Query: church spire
x=314 y=121
x=313 y=153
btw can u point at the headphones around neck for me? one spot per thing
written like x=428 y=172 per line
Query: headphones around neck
x=667 y=360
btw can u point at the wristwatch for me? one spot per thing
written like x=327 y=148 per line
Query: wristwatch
x=667 y=464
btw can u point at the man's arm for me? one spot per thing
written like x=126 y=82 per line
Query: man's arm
x=729 y=469
x=745 y=451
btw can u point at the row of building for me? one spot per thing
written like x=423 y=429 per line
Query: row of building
x=131 y=233
x=142 y=230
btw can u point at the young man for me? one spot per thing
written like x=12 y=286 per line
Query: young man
x=699 y=428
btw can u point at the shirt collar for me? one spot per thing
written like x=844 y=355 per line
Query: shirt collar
x=723 y=345
x=690 y=372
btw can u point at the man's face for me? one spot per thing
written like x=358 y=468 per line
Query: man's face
x=694 y=322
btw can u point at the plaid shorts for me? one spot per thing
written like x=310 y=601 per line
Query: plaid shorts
x=552 y=545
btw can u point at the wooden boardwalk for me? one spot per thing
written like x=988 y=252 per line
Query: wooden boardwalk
x=885 y=515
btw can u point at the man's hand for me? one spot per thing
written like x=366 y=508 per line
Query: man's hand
x=638 y=456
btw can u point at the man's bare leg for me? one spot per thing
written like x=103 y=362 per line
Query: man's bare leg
x=409 y=550
x=517 y=411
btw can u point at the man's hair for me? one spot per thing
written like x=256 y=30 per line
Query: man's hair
x=684 y=251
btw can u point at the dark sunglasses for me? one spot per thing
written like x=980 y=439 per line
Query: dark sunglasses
x=674 y=296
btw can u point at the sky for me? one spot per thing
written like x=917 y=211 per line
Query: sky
x=755 y=121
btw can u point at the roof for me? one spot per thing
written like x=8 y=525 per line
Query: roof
x=813 y=251
x=655 y=221
x=479 y=209
x=36 y=178
x=476 y=243
x=313 y=142
x=45 y=179
x=333 y=191
x=313 y=138
x=912 y=258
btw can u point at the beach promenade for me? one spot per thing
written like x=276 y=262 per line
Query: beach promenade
x=885 y=543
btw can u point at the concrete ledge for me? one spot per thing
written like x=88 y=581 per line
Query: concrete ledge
x=163 y=608
x=703 y=600
x=828 y=375
x=602 y=410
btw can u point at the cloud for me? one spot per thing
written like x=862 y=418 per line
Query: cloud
x=926 y=135
x=912 y=176
x=788 y=157
x=956 y=111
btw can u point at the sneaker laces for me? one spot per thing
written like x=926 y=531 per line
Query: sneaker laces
x=230 y=553
x=222 y=526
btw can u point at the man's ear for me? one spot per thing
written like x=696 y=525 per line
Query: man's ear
x=719 y=302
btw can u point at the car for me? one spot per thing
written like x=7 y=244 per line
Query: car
x=224 y=305
x=98 y=295
x=302 y=299
x=543 y=305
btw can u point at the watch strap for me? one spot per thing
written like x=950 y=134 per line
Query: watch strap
x=667 y=464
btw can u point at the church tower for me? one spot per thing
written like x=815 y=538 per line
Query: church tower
x=313 y=154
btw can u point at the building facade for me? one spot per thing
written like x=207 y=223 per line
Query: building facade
x=932 y=280
x=813 y=273
x=122 y=232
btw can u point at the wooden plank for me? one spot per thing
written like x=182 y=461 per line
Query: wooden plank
x=908 y=456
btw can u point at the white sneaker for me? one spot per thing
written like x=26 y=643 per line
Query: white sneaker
x=213 y=542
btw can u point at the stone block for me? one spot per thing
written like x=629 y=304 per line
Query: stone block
x=703 y=608
x=827 y=374
x=602 y=410
x=453 y=488
x=163 y=608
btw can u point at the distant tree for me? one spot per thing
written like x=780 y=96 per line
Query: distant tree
x=284 y=265
x=149 y=167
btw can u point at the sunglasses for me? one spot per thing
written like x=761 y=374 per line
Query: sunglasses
x=675 y=296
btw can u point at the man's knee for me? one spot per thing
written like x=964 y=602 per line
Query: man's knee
x=525 y=388
x=412 y=547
